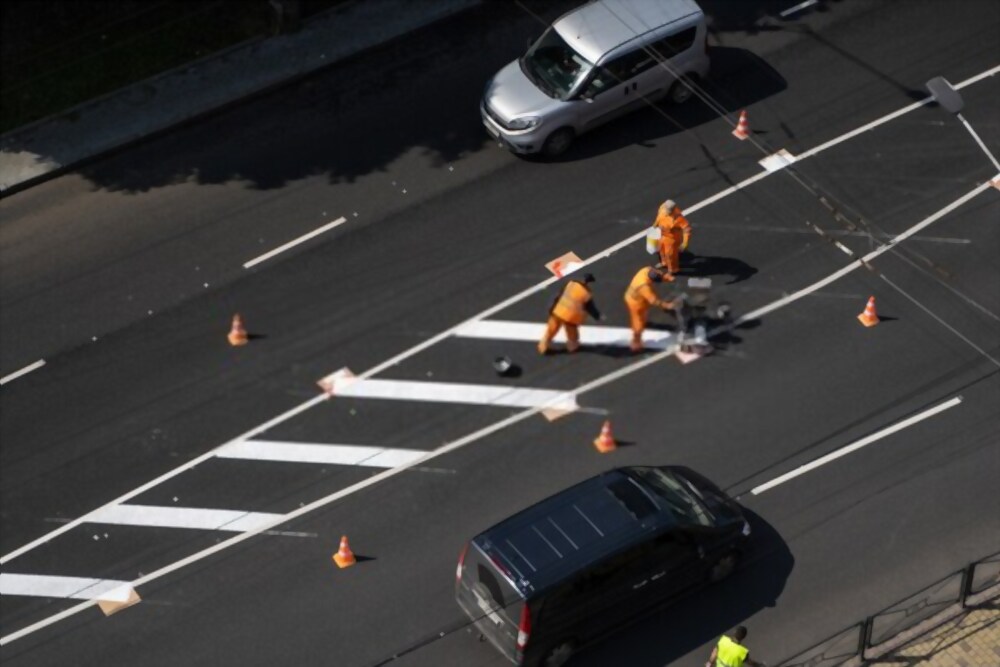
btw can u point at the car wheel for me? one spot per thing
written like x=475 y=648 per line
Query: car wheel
x=724 y=567
x=559 y=654
x=681 y=93
x=558 y=142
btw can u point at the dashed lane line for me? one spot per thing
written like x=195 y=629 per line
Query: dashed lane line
x=24 y=371
x=291 y=244
x=855 y=446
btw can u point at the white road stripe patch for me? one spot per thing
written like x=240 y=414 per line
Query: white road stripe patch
x=802 y=5
x=183 y=517
x=24 y=371
x=590 y=334
x=454 y=392
x=291 y=244
x=497 y=426
x=298 y=452
x=40 y=585
x=832 y=456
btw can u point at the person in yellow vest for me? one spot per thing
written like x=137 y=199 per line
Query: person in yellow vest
x=639 y=296
x=730 y=652
x=568 y=311
x=675 y=234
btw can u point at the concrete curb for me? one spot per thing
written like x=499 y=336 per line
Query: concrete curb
x=52 y=146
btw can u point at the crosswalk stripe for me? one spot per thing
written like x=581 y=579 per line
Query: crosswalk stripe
x=40 y=585
x=453 y=392
x=299 y=452
x=656 y=339
x=181 y=517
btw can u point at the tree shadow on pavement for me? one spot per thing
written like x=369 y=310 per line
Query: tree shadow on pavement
x=699 y=618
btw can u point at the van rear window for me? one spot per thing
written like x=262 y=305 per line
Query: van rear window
x=492 y=585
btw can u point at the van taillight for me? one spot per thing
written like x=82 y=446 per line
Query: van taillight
x=461 y=564
x=524 y=629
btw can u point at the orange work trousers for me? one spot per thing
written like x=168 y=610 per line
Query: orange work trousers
x=637 y=317
x=553 y=327
x=670 y=250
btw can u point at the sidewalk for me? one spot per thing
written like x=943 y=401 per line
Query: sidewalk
x=53 y=145
x=970 y=640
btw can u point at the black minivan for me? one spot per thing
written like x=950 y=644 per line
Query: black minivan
x=577 y=565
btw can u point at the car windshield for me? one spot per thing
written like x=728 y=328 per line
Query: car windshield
x=553 y=66
x=678 y=497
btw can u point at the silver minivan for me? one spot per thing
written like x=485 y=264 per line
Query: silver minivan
x=597 y=62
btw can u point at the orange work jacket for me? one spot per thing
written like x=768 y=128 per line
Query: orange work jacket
x=640 y=294
x=672 y=224
x=572 y=303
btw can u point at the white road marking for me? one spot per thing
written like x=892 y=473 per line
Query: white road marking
x=453 y=392
x=291 y=244
x=799 y=7
x=843 y=451
x=182 y=517
x=517 y=417
x=590 y=334
x=24 y=371
x=778 y=160
x=40 y=585
x=298 y=452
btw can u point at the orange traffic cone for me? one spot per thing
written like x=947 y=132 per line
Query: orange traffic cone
x=605 y=442
x=742 y=130
x=344 y=557
x=237 y=333
x=869 y=318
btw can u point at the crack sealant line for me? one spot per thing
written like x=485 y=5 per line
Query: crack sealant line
x=484 y=432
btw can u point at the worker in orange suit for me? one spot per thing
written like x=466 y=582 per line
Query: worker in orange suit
x=568 y=310
x=639 y=296
x=675 y=234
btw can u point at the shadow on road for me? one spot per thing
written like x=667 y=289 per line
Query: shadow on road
x=698 y=619
x=738 y=79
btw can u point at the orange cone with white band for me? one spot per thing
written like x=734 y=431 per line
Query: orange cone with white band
x=605 y=442
x=344 y=556
x=742 y=130
x=869 y=318
x=237 y=332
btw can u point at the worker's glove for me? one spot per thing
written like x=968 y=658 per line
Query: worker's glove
x=684 y=245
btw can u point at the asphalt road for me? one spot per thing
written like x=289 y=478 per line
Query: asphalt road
x=123 y=277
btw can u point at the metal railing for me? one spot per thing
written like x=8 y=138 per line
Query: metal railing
x=906 y=620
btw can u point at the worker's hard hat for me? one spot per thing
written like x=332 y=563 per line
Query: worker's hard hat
x=669 y=205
